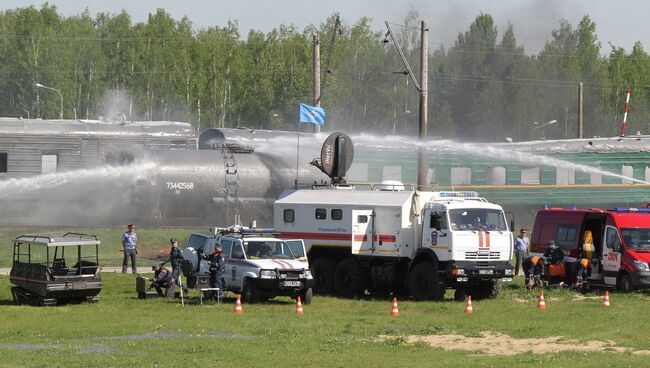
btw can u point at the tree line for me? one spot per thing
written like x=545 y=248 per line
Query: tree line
x=483 y=87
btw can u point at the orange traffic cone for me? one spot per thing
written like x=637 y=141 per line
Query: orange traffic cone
x=468 y=305
x=394 y=311
x=299 y=310
x=606 y=299
x=541 y=304
x=238 y=308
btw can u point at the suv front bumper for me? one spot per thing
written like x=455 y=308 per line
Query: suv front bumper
x=282 y=287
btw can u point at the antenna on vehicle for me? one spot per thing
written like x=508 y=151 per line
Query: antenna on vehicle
x=336 y=157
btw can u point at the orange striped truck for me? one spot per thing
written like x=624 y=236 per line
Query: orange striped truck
x=390 y=240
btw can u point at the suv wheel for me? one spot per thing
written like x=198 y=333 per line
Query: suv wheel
x=306 y=296
x=251 y=293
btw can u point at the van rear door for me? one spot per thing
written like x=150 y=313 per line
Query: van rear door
x=362 y=231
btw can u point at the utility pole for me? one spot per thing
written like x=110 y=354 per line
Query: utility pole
x=423 y=165
x=581 y=104
x=316 y=76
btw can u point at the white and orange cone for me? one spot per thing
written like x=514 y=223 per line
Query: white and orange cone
x=468 y=306
x=238 y=308
x=606 y=299
x=394 y=311
x=299 y=310
x=541 y=304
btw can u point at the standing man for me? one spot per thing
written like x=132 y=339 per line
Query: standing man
x=175 y=257
x=217 y=266
x=521 y=249
x=129 y=240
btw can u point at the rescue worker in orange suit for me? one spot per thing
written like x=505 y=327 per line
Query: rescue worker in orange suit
x=533 y=271
x=555 y=256
x=583 y=264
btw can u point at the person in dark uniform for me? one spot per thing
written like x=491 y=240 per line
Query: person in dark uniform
x=533 y=271
x=163 y=279
x=175 y=258
x=555 y=256
x=217 y=266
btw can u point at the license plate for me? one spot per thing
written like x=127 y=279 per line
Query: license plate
x=292 y=283
x=485 y=272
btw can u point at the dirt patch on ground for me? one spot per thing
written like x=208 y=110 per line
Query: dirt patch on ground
x=498 y=344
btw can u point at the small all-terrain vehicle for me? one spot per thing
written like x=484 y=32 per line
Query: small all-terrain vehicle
x=55 y=270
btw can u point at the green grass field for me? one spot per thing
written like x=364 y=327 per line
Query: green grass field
x=121 y=330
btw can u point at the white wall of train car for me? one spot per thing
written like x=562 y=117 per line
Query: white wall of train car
x=396 y=234
x=467 y=244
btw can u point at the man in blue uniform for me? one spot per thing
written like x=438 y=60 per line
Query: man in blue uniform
x=129 y=240
x=163 y=279
x=175 y=258
x=521 y=249
x=217 y=266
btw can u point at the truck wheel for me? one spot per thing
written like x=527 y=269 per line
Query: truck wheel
x=424 y=283
x=306 y=296
x=323 y=269
x=251 y=293
x=349 y=279
x=625 y=283
x=460 y=295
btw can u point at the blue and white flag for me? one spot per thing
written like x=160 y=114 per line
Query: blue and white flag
x=312 y=114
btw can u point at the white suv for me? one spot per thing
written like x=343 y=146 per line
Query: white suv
x=259 y=267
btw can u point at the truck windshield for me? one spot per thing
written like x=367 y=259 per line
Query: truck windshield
x=636 y=239
x=267 y=250
x=477 y=219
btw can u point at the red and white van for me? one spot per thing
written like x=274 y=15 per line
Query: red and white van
x=621 y=237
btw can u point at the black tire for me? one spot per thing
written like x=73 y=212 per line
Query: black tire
x=460 y=295
x=142 y=296
x=424 y=283
x=485 y=289
x=307 y=296
x=349 y=278
x=323 y=270
x=251 y=293
x=625 y=283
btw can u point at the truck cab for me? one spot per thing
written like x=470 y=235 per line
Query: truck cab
x=257 y=264
x=621 y=239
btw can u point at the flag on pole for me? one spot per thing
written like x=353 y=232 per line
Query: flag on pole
x=312 y=114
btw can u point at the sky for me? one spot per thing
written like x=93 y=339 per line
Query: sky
x=620 y=23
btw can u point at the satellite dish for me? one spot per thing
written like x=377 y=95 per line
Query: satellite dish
x=336 y=156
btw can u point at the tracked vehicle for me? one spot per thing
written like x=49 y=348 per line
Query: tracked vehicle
x=55 y=270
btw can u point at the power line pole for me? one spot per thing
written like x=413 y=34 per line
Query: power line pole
x=316 y=76
x=423 y=165
x=581 y=105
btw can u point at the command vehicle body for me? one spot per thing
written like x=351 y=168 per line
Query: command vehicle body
x=621 y=237
x=398 y=240
x=257 y=266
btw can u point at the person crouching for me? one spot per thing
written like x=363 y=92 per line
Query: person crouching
x=163 y=279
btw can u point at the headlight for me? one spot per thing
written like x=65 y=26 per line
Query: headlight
x=508 y=272
x=641 y=266
x=307 y=274
x=457 y=271
x=268 y=274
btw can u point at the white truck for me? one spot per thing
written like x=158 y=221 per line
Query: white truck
x=387 y=239
x=257 y=265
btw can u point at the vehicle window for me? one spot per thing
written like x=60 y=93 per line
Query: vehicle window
x=362 y=219
x=477 y=219
x=321 y=214
x=566 y=236
x=197 y=242
x=272 y=249
x=337 y=214
x=438 y=221
x=296 y=247
x=226 y=246
x=237 y=251
x=636 y=239
x=38 y=254
x=289 y=215
x=3 y=162
x=612 y=241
